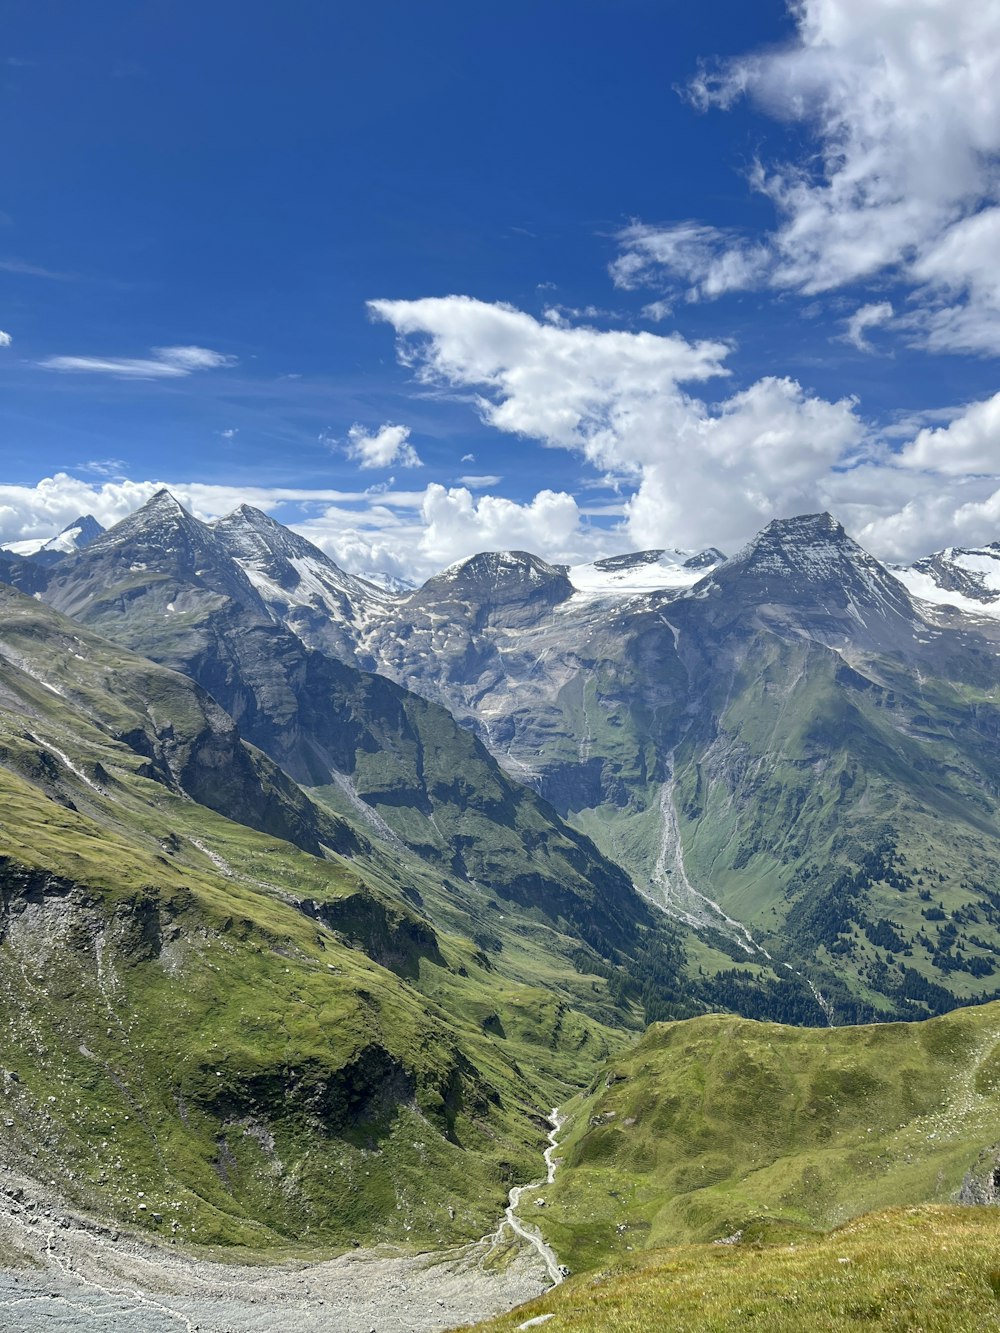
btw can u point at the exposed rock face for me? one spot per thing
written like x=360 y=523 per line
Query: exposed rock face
x=981 y=1185
x=964 y=579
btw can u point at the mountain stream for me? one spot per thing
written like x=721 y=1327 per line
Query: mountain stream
x=526 y=1232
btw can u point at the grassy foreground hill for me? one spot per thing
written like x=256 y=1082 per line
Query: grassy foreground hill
x=718 y=1125
x=931 y=1269
x=724 y=1172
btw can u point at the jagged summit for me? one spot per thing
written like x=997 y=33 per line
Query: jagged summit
x=163 y=502
x=639 y=559
x=74 y=537
x=161 y=510
x=811 y=567
x=248 y=533
x=269 y=552
x=811 y=548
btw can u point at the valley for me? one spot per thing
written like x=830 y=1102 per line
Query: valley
x=316 y=898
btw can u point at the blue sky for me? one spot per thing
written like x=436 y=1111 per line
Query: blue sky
x=709 y=264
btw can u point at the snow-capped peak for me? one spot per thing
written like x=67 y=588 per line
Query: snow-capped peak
x=964 y=577
x=74 y=537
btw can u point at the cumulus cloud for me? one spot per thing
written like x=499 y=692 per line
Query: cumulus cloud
x=164 y=363
x=457 y=525
x=411 y=534
x=5 y=339
x=388 y=446
x=901 y=179
x=968 y=446
x=867 y=317
x=44 y=509
x=701 y=472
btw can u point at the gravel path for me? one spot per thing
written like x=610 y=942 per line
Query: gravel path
x=68 y=1272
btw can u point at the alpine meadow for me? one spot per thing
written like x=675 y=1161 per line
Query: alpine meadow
x=500 y=667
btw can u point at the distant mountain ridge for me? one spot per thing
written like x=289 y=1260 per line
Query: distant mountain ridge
x=741 y=736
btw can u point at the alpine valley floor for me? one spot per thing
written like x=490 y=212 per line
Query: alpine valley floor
x=60 y=1270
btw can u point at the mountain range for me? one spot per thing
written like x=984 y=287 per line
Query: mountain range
x=457 y=844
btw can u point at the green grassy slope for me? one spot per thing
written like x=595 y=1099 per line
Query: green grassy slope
x=163 y=584
x=930 y=1269
x=203 y=1024
x=719 y=1125
x=849 y=816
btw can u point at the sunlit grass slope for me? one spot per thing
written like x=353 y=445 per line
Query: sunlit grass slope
x=718 y=1125
x=932 y=1269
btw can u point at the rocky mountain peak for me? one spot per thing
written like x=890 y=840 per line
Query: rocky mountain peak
x=498 y=579
x=250 y=534
x=809 y=548
x=162 y=512
x=82 y=531
x=162 y=535
x=73 y=537
x=165 y=504
x=501 y=566
x=811 y=564
x=963 y=577
x=512 y=588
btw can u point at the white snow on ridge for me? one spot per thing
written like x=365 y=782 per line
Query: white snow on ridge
x=925 y=589
x=29 y=546
x=648 y=571
x=321 y=585
x=983 y=568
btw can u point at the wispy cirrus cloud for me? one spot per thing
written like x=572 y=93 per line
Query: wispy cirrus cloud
x=164 y=363
x=21 y=268
x=871 y=316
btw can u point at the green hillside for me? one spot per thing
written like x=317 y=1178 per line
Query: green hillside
x=931 y=1269
x=719 y=1126
x=204 y=1024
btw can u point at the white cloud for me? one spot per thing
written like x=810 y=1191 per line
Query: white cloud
x=903 y=101
x=657 y=310
x=967 y=446
x=388 y=446
x=468 y=458
x=480 y=483
x=768 y=450
x=5 y=339
x=457 y=525
x=578 y=388
x=44 y=509
x=693 y=472
x=412 y=534
x=872 y=316
x=704 y=473
x=165 y=363
x=708 y=260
